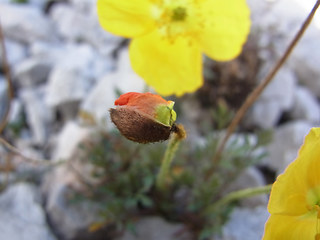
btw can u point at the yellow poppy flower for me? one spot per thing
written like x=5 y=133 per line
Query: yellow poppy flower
x=170 y=35
x=294 y=202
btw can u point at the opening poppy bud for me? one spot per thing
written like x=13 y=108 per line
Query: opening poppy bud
x=144 y=117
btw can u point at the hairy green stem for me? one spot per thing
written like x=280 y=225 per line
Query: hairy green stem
x=172 y=147
x=237 y=195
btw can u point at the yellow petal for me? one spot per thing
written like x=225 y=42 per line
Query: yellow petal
x=226 y=26
x=127 y=18
x=280 y=227
x=289 y=193
x=169 y=67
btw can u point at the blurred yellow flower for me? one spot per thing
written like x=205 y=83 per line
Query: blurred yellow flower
x=170 y=35
x=294 y=202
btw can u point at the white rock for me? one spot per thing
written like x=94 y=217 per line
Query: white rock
x=286 y=142
x=71 y=78
x=87 y=28
x=263 y=114
x=38 y=115
x=25 y=24
x=305 y=61
x=22 y=216
x=250 y=177
x=3 y=97
x=83 y=5
x=155 y=228
x=32 y=71
x=246 y=223
x=306 y=106
x=53 y=52
x=15 y=52
x=103 y=95
x=275 y=99
x=282 y=87
x=71 y=220
x=69 y=138
x=83 y=56
x=66 y=85
x=15 y=111
x=38 y=3
x=276 y=26
x=70 y=23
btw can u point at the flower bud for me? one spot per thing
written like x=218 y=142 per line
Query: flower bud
x=144 y=117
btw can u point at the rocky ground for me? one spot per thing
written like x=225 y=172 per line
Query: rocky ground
x=66 y=72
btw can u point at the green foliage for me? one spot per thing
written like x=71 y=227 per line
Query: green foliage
x=19 y=1
x=15 y=128
x=222 y=115
x=126 y=174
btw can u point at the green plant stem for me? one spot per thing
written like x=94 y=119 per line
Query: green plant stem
x=175 y=139
x=237 y=195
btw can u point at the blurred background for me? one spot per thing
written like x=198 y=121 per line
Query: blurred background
x=67 y=72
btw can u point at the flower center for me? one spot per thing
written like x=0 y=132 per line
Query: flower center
x=313 y=202
x=179 y=14
x=175 y=18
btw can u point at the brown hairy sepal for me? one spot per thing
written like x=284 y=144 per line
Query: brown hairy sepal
x=138 y=126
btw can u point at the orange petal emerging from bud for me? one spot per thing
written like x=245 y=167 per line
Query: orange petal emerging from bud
x=144 y=102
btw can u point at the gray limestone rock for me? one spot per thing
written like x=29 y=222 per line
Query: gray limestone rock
x=3 y=97
x=250 y=177
x=38 y=115
x=15 y=51
x=246 y=223
x=274 y=101
x=306 y=106
x=155 y=228
x=22 y=216
x=32 y=71
x=286 y=142
x=103 y=95
x=25 y=23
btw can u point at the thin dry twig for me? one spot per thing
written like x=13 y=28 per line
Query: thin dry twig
x=259 y=89
x=7 y=73
x=30 y=160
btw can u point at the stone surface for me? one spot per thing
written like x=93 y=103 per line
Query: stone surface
x=66 y=84
x=87 y=28
x=84 y=57
x=103 y=95
x=250 y=177
x=32 y=71
x=70 y=79
x=72 y=219
x=38 y=114
x=275 y=99
x=69 y=220
x=286 y=142
x=155 y=228
x=276 y=28
x=306 y=106
x=305 y=59
x=246 y=223
x=263 y=114
x=22 y=216
x=3 y=97
x=15 y=52
x=69 y=138
x=25 y=24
